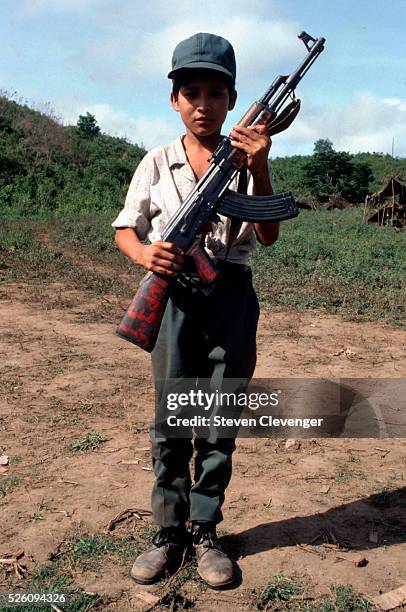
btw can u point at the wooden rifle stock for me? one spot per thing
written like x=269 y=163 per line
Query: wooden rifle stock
x=142 y=320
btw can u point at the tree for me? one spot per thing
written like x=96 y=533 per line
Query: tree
x=323 y=145
x=330 y=171
x=87 y=126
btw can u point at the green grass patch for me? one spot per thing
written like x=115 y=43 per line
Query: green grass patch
x=332 y=261
x=326 y=260
x=87 y=551
x=93 y=236
x=343 y=475
x=81 y=552
x=343 y=599
x=25 y=257
x=329 y=260
x=280 y=588
x=87 y=443
x=15 y=459
x=55 y=578
x=283 y=593
x=8 y=484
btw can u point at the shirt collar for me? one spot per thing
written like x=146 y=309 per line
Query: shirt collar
x=177 y=158
x=176 y=154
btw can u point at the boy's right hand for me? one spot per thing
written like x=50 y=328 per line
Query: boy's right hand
x=162 y=258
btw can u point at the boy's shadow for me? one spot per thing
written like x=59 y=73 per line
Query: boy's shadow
x=346 y=526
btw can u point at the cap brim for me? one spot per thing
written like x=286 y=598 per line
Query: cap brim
x=203 y=66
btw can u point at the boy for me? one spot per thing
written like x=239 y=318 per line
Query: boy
x=211 y=336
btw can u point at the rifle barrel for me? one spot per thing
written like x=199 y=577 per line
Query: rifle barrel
x=291 y=82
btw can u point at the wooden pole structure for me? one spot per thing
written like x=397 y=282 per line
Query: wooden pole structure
x=365 y=208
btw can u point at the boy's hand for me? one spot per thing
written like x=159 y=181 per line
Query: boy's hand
x=162 y=258
x=256 y=143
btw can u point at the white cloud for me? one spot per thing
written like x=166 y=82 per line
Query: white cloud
x=365 y=123
x=398 y=102
x=139 y=130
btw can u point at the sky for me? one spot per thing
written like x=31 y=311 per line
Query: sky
x=112 y=58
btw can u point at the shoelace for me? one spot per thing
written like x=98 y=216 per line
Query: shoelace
x=166 y=535
x=208 y=536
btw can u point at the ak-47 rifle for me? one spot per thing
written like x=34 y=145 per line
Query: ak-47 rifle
x=211 y=196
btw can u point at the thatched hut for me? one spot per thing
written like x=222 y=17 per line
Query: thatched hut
x=387 y=206
x=337 y=202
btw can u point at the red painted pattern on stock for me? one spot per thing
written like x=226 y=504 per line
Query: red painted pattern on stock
x=142 y=320
x=134 y=311
x=127 y=331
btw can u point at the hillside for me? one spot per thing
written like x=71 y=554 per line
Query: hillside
x=45 y=166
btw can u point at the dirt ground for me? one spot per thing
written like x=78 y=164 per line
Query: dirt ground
x=307 y=510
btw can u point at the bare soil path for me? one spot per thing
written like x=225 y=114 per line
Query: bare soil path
x=307 y=510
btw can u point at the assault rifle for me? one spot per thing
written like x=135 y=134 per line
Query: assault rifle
x=211 y=196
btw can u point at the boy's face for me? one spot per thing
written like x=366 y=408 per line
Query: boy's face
x=203 y=104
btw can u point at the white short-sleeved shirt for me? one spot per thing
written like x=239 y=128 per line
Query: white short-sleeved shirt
x=161 y=183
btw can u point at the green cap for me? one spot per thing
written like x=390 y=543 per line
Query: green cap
x=204 y=51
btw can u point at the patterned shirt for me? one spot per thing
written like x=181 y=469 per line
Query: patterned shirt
x=161 y=183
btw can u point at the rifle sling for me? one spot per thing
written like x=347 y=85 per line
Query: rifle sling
x=282 y=121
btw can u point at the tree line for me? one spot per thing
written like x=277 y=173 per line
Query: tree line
x=327 y=172
x=45 y=166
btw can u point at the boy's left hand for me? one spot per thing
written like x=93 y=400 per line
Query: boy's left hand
x=256 y=143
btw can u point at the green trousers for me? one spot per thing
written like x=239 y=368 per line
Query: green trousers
x=211 y=337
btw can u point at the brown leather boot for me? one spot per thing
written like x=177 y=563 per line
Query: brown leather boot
x=165 y=556
x=213 y=565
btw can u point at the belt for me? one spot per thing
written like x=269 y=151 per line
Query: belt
x=227 y=269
